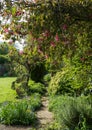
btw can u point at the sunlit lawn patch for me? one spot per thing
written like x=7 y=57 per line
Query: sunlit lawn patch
x=6 y=93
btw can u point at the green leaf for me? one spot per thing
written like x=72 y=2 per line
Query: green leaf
x=13 y=10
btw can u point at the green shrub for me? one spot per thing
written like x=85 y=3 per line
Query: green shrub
x=31 y=82
x=72 y=113
x=4 y=59
x=60 y=83
x=22 y=89
x=16 y=113
x=4 y=49
x=21 y=86
x=35 y=101
x=5 y=70
x=36 y=87
x=47 y=78
x=73 y=80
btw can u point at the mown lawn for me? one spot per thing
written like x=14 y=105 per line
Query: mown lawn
x=6 y=93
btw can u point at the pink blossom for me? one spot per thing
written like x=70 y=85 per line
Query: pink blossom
x=34 y=1
x=21 y=52
x=46 y=34
x=18 y=13
x=64 y=27
x=6 y=30
x=40 y=51
x=46 y=56
x=40 y=39
x=52 y=44
x=10 y=41
x=56 y=38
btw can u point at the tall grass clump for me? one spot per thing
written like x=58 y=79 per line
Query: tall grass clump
x=16 y=113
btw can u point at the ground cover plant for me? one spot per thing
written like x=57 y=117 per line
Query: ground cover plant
x=35 y=101
x=72 y=113
x=36 y=87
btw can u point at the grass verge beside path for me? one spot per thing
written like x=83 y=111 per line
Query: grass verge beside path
x=6 y=93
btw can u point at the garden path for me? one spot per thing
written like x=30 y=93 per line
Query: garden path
x=44 y=116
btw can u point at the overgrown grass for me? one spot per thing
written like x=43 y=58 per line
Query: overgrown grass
x=6 y=93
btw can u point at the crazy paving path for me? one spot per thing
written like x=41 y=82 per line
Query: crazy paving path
x=44 y=116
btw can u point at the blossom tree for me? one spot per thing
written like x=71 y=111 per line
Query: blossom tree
x=51 y=29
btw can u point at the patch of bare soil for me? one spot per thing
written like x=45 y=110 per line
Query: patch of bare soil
x=4 y=127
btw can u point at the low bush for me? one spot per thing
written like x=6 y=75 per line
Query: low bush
x=35 y=101
x=21 y=88
x=72 y=113
x=73 y=80
x=36 y=87
x=17 y=113
x=47 y=78
x=60 y=83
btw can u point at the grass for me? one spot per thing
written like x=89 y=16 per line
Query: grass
x=6 y=93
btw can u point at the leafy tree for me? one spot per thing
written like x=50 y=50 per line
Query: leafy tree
x=51 y=29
